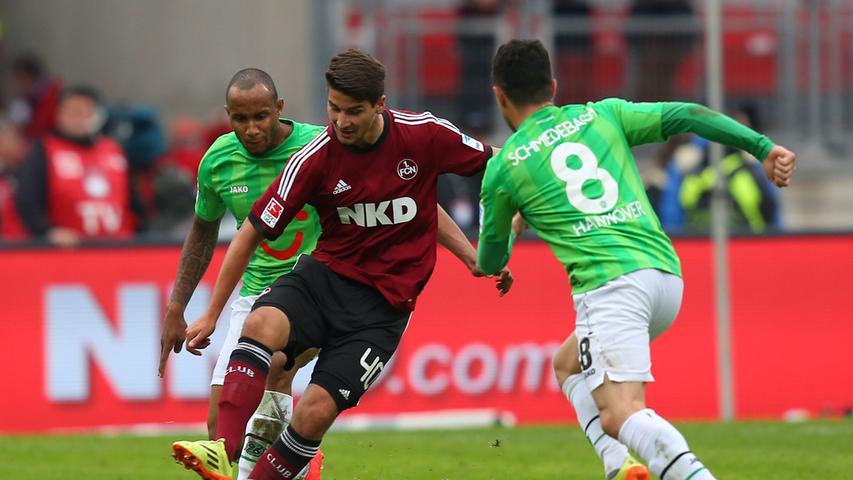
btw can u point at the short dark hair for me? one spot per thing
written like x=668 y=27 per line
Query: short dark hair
x=523 y=71
x=247 y=78
x=357 y=74
x=81 y=91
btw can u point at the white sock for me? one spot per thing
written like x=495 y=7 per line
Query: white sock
x=611 y=452
x=267 y=423
x=662 y=447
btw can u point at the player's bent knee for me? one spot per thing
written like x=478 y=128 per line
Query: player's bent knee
x=269 y=326
x=613 y=417
x=611 y=421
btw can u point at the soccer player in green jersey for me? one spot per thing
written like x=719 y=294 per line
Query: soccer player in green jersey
x=233 y=173
x=570 y=173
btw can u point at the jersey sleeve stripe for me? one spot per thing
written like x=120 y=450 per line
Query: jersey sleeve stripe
x=402 y=117
x=291 y=175
x=412 y=116
x=297 y=156
x=443 y=123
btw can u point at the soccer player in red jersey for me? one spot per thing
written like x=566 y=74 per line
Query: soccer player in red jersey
x=371 y=175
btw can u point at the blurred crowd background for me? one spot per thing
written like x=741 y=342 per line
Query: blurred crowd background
x=106 y=108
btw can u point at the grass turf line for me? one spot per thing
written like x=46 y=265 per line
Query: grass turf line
x=742 y=451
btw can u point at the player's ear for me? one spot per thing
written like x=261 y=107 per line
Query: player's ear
x=380 y=104
x=553 y=87
x=279 y=105
x=500 y=96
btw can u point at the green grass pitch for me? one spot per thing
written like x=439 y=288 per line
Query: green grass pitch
x=742 y=451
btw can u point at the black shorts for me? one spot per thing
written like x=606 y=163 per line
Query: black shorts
x=354 y=326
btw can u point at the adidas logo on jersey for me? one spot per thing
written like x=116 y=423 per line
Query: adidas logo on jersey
x=344 y=393
x=341 y=187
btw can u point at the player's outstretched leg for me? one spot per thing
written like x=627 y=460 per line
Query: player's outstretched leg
x=266 y=424
x=273 y=415
x=244 y=385
x=292 y=451
x=655 y=440
x=618 y=462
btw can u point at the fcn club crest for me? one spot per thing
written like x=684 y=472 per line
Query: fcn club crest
x=407 y=169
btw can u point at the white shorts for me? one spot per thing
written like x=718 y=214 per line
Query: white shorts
x=240 y=309
x=616 y=321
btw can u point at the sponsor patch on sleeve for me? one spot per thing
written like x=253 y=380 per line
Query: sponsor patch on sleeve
x=272 y=212
x=473 y=143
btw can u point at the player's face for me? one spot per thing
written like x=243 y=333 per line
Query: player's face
x=253 y=114
x=355 y=122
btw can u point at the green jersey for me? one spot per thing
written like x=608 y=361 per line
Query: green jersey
x=570 y=172
x=230 y=178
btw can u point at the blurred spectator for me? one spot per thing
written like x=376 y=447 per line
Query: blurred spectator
x=682 y=193
x=573 y=59
x=216 y=125
x=36 y=95
x=74 y=184
x=138 y=130
x=170 y=188
x=174 y=198
x=13 y=150
x=656 y=51
x=187 y=144
x=476 y=48
x=753 y=201
x=475 y=103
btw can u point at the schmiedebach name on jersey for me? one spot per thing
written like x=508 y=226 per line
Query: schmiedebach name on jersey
x=551 y=136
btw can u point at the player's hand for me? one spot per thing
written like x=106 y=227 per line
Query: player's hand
x=504 y=281
x=475 y=270
x=199 y=332
x=172 y=336
x=779 y=165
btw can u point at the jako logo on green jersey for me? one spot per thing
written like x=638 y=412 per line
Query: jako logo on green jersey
x=372 y=214
x=239 y=189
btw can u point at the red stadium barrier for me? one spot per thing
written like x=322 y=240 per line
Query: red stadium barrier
x=80 y=338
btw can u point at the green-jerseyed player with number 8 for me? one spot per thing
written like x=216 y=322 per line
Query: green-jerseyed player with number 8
x=570 y=173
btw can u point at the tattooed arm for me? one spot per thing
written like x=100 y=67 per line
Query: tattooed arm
x=195 y=257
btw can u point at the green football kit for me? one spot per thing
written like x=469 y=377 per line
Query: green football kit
x=570 y=172
x=230 y=178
